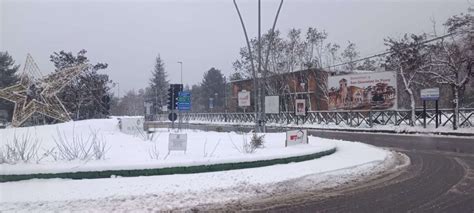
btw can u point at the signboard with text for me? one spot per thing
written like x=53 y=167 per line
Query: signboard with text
x=431 y=94
x=177 y=142
x=272 y=104
x=295 y=137
x=184 y=101
x=244 y=98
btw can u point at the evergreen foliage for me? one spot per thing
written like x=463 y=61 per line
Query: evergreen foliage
x=157 y=90
x=88 y=95
x=213 y=86
x=8 y=77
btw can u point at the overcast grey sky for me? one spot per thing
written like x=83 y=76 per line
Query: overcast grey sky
x=128 y=35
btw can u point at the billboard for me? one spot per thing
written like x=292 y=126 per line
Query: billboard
x=374 y=90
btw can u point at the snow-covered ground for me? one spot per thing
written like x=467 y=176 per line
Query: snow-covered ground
x=137 y=152
x=352 y=161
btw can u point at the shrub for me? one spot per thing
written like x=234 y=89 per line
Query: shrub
x=24 y=149
x=249 y=147
x=78 y=148
x=257 y=141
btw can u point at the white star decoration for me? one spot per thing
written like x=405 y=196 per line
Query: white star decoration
x=31 y=95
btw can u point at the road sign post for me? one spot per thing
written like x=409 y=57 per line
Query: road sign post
x=184 y=104
x=184 y=101
x=431 y=94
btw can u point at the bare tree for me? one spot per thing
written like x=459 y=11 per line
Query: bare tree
x=408 y=56
x=349 y=55
x=452 y=58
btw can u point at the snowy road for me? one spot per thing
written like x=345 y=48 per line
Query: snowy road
x=440 y=178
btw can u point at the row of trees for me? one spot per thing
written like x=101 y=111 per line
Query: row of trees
x=447 y=62
x=213 y=86
x=297 y=51
x=443 y=62
x=85 y=97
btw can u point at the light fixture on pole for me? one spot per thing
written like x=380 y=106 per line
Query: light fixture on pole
x=181 y=63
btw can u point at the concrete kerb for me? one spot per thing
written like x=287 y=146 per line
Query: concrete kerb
x=166 y=171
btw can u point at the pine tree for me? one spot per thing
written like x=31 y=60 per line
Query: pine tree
x=157 y=92
x=8 y=77
x=213 y=86
x=88 y=95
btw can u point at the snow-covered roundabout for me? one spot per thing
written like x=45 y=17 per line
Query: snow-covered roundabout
x=98 y=146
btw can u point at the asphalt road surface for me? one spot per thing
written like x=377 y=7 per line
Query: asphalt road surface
x=439 y=179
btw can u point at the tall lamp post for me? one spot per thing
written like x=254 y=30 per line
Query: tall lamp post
x=215 y=98
x=181 y=63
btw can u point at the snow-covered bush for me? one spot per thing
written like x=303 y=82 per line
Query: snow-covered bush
x=257 y=141
x=21 y=149
x=249 y=147
x=79 y=148
x=99 y=145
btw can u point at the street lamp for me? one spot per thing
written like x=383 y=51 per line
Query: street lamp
x=181 y=63
x=215 y=94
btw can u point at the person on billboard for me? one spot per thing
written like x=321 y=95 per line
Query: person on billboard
x=300 y=108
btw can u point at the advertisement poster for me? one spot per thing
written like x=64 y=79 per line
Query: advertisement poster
x=374 y=90
x=244 y=98
x=300 y=105
x=295 y=137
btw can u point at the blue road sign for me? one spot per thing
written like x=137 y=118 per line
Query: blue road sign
x=184 y=101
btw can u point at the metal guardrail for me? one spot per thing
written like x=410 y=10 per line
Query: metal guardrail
x=353 y=118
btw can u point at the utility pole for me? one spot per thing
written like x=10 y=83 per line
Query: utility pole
x=259 y=84
x=179 y=111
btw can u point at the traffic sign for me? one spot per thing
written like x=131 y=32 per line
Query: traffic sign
x=172 y=116
x=431 y=94
x=184 y=101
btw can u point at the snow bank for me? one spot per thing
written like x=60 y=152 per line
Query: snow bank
x=350 y=162
x=126 y=152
